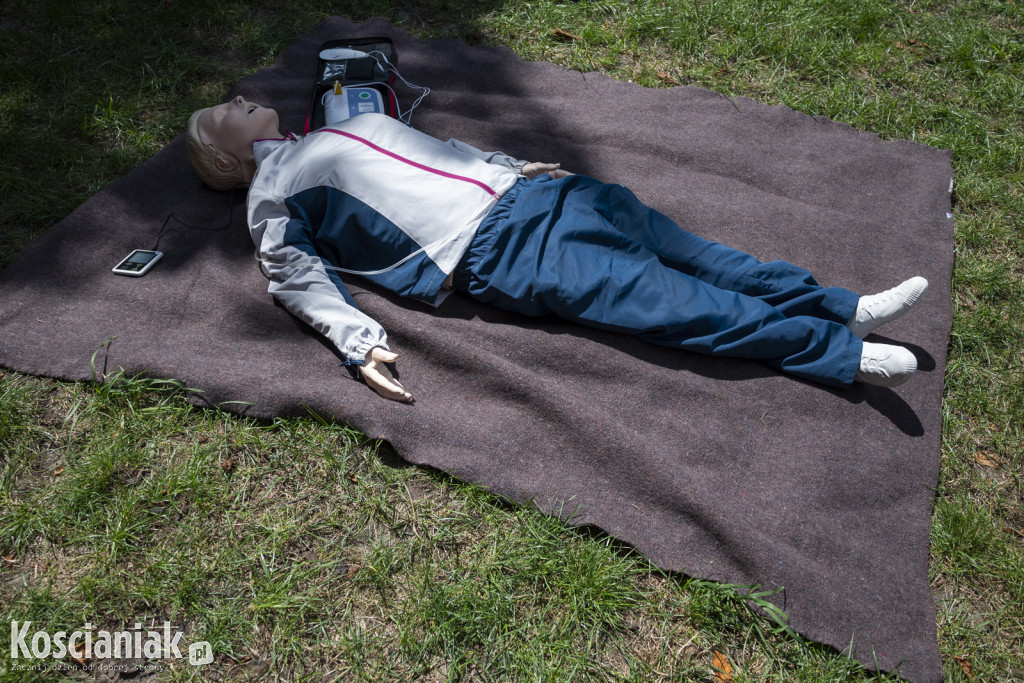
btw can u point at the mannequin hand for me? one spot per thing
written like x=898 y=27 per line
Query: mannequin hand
x=536 y=168
x=378 y=377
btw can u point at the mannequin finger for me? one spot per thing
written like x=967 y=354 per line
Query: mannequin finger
x=383 y=355
x=385 y=385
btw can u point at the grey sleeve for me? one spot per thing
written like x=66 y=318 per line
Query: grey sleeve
x=307 y=290
x=498 y=158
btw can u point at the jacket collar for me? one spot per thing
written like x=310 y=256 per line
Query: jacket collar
x=261 y=149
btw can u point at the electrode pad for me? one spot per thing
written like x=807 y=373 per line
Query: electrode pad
x=336 y=53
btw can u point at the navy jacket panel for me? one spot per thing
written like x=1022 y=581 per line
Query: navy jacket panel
x=350 y=237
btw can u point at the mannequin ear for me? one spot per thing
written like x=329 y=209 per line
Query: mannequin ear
x=226 y=162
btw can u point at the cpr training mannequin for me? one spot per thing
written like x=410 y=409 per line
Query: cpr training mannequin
x=418 y=216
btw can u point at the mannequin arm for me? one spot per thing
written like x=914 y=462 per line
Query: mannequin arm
x=499 y=158
x=326 y=310
x=319 y=297
x=530 y=169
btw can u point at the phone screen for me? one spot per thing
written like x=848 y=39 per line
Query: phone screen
x=137 y=262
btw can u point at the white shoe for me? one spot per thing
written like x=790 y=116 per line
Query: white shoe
x=878 y=309
x=885 y=365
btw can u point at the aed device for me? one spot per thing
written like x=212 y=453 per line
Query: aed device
x=138 y=263
x=341 y=103
x=352 y=63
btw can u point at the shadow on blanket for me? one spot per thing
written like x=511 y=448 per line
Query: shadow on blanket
x=718 y=468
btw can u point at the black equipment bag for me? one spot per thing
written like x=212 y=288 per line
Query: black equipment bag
x=376 y=70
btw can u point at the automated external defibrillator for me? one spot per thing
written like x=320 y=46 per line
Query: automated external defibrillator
x=341 y=103
x=353 y=77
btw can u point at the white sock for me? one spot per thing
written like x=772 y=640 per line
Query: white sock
x=885 y=365
x=878 y=309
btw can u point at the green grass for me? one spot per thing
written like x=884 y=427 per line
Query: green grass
x=299 y=548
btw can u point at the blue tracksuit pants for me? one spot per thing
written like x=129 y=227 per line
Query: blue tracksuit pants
x=592 y=253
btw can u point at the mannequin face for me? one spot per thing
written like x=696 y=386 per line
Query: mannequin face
x=232 y=127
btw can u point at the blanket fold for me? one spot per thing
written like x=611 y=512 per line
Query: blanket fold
x=719 y=468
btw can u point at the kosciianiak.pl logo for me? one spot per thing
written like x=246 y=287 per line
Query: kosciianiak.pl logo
x=90 y=644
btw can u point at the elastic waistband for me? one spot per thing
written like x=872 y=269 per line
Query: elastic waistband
x=486 y=233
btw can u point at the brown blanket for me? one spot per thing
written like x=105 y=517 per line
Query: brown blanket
x=721 y=469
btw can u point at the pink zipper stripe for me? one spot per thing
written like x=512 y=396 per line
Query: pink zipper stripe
x=418 y=165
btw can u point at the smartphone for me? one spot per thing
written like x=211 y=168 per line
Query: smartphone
x=138 y=263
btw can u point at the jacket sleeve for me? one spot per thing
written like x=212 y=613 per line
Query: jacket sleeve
x=313 y=293
x=498 y=158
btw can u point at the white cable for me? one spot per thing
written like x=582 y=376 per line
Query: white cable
x=424 y=91
x=323 y=264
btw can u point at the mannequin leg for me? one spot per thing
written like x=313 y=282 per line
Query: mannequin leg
x=790 y=289
x=576 y=263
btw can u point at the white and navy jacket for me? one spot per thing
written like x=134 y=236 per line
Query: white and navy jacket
x=373 y=197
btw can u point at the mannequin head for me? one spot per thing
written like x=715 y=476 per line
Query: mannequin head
x=220 y=141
